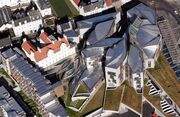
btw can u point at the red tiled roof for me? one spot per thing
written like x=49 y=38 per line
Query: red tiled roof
x=108 y=2
x=77 y=2
x=40 y=55
x=43 y=36
x=28 y=47
x=64 y=40
x=55 y=46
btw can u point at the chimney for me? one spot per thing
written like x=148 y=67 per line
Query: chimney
x=39 y=49
x=42 y=30
x=24 y=39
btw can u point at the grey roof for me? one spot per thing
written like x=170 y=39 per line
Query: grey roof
x=39 y=82
x=5 y=42
x=89 y=23
x=33 y=15
x=71 y=33
x=91 y=77
x=145 y=12
x=5 y=15
x=8 y=53
x=134 y=60
x=116 y=55
x=32 y=75
x=101 y=31
x=57 y=109
x=92 y=52
x=108 y=42
x=44 y=4
x=146 y=33
x=9 y=104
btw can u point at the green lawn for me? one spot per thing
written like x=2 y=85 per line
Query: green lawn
x=63 y=8
x=131 y=98
x=95 y=103
x=30 y=103
x=79 y=103
x=166 y=77
x=113 y=98
x=8 y=78
x=3 y=72
x=49 y=22
x=82 y=89
x=72 y=8
x=60 y=8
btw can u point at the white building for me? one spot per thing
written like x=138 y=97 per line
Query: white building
x=33 y=84
x=135 y=63
x=27 y=23
x=145 y=33
x=48 y=51
x=115 y=64
x=12 y=2
x=92 y=7
x=44 y=7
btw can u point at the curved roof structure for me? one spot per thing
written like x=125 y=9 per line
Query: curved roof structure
x=144 y=11
x=148 y=37
x=117 y=54
x=146 y=33
x=102 y=29
x=106 y=42
x=100 y=32
x=134 y=60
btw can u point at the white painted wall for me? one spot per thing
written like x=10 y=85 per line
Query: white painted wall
x=27 y=27
x=109 y=81
x=134 y=82
x=12 y=2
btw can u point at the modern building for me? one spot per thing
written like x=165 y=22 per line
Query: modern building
x=84 y=26
x=8 y=105
x=115 y=64
x=89 y=7
x=145 y=33
x=33 y=84
x=47 y=49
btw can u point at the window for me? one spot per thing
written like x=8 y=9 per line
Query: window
x=149 y=63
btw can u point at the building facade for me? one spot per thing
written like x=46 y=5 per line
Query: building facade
x=33 y=84
x=48 y=50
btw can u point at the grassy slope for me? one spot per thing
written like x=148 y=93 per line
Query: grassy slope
x=131 y=98
x=95 y=103
x=60 y=8
x=113 y=98
x=82 y=89
x=166 y=77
